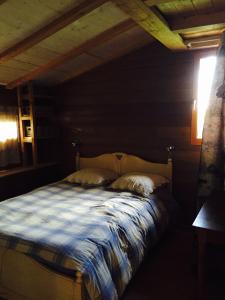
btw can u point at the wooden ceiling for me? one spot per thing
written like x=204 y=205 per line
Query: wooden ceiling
x=51 y=41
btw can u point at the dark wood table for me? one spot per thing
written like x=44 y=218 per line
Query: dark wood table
x=210 y=228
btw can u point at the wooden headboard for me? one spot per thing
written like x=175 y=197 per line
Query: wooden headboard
x=123 y=163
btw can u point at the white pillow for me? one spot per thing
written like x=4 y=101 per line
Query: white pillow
x=92 y=177
x=141 y=183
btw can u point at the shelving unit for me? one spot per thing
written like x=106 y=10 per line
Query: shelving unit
x=27 y=125
x=37 y=126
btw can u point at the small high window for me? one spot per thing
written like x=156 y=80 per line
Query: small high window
x=9 y=144
x=8 y=131
x=205 y=71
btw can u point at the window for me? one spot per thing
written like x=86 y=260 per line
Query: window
x=8 y=131
x=9 y=146
x=204 y=76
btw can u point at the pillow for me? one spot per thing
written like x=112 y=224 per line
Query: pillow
x=92 y=177
x=141 y=183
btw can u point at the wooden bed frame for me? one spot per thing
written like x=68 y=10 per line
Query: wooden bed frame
x=22 y=278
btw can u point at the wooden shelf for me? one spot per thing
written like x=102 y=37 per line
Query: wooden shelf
x=26 y=169
x=26 y=118
x=27 y=139
x=36 y=125
x=28 y=143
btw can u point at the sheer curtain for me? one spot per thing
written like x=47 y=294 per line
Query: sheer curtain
x=212 y=163
x=9 y=147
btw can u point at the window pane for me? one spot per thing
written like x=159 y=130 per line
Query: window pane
x=8 y=130
x=205 y=76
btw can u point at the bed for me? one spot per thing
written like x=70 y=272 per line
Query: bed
x=109 y=240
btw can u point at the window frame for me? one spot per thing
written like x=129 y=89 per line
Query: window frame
x=194 y=117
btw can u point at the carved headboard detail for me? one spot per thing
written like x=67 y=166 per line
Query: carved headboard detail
x=123 y=163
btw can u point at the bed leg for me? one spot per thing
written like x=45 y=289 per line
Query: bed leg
x=78 y=289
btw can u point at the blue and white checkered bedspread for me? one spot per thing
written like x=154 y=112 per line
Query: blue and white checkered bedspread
x=101 y=233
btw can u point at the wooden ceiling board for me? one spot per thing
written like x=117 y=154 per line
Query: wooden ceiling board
x=8 y=35
x=19 y=19
x=77 y=63
x=197 y=22
x=59 y=74
x=218 y=4
x=75 y=34
x=14 y=70
x=86 y=62
x=133 y=40
x=203 y=6
x=37 y=55
x=7 y=74
x=76 y=51
x=59 y=5
x=51 y=28
x=155 y=2
x=25 y=63
x=122 y=41
x=18 y=65
x=182 y=8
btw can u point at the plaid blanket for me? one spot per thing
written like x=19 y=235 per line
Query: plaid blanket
x=101 y=233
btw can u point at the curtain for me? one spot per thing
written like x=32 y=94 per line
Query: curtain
x=212 y=161
x=9 y=147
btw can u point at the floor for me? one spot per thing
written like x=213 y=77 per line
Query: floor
x=170 y=272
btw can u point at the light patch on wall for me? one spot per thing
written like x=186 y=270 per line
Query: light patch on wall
x=205 y=77
x=8 y=131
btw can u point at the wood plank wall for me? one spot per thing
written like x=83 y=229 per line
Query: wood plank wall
x=22 y=182
x=8 y=97
x=138 y=104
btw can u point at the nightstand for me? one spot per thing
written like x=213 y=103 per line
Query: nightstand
x=210 y=228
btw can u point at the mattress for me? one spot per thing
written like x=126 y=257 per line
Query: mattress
x=101 y=233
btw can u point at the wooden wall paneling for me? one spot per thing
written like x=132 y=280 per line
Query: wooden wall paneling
x=8 y=97
x=137 y=104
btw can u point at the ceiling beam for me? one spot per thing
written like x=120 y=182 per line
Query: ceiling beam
x=67 y=18
x=187 y=23
x=152 y=22
x=87 y=46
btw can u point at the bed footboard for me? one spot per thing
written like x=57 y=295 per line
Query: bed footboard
x=23 y=278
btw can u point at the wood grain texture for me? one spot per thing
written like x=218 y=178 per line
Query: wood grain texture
x=120 y=45
x=152 y=22
x=138 y=104
x=87 y=46
x=54 y=26
x=181 y=24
